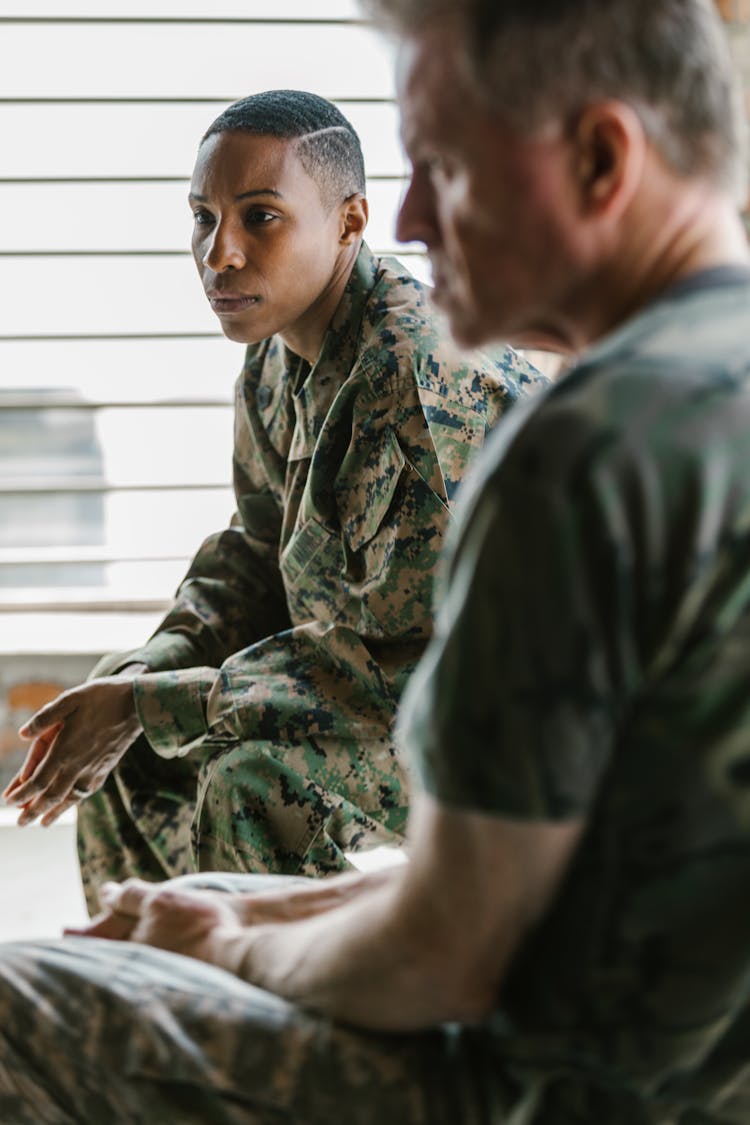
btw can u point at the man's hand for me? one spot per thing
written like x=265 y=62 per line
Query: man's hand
x=207 y=925
x=124 y=904
x=401 y=949
x=77 y=740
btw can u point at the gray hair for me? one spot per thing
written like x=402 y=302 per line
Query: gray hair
x=536 y=60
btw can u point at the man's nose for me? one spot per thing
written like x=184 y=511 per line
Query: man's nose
x=224 y=250
x=417 y=216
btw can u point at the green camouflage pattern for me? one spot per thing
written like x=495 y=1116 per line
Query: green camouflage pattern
x=280 y=665
x=591 y=661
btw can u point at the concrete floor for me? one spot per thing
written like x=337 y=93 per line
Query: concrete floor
x=41 y=890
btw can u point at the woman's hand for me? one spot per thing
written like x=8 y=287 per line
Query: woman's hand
x=76 y=742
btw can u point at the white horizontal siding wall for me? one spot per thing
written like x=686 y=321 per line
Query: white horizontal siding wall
x=103 y=323
x=108 y=350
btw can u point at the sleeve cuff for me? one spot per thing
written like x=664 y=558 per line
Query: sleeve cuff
x=172 y=708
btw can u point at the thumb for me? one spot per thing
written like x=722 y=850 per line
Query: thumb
x=51 y=715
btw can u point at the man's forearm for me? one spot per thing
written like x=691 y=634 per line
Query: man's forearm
x=291 y=903
x=433 y=939
x=364 y=962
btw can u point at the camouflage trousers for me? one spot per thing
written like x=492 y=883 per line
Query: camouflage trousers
x=107 y=1033
x=258 y=807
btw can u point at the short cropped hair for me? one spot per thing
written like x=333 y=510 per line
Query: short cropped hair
x=326 y=142
x=535 y=60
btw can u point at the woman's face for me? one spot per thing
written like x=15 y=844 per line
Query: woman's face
x=265 y=245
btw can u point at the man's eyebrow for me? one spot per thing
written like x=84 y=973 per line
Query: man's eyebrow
x=242 y=195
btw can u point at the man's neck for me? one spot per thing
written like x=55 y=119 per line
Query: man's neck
x=702 y=231
x=664 y=239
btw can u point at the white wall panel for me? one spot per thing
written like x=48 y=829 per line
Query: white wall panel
x=143 y=139
x=180 y=9
x=100 y=122
x=121 y=370
x=125 y=60
x=173 y=445
x=69 y=296
x=165 y=522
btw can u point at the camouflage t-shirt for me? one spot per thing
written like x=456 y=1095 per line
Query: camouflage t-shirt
x=306 y=616
x=591 y=659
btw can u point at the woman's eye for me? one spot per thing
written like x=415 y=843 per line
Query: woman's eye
x=259 y=218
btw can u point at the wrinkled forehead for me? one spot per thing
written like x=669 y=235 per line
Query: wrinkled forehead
x=436 y=91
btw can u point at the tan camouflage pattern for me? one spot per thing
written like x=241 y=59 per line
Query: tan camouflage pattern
x=591 y=660
x=105 y=1033
x=279 y=668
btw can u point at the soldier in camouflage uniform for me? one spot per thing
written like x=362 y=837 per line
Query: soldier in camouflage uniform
x=266 y=696
x=570 y=940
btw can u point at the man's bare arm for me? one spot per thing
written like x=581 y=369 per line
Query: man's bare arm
x=422 y=944
x=137 y=903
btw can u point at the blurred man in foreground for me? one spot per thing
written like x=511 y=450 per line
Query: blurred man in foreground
x=570 y=941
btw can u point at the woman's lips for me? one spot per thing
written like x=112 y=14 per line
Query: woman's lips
x=231 y=302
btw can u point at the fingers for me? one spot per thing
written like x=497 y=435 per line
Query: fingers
x=53 y=714
x=47 y=783
x=141 y=901
x=123 y=904
x=109 y=924
x=37 y=752
x=56 y=812
x=77 y=741
x=128 y=898
x=48 y=812
x=45 y=789
x=51 y=803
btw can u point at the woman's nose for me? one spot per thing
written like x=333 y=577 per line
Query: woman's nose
x=224 y=251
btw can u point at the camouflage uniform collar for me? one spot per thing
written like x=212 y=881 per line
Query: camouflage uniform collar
x=350 y=308
x=316 y=387
x=341 y=341
x=716 y=284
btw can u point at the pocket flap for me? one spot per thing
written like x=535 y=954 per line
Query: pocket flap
x=363 y=499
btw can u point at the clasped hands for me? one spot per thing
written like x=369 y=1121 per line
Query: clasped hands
x=227 y=929
x=76 y=742
x=208 y=925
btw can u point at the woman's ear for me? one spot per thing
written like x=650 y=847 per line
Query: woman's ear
x=610 y=144
x=355 y=212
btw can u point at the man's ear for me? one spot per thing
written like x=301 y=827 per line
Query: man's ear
x=610 y=145
x=354 y=214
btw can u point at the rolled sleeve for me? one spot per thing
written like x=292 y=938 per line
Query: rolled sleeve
x=172 y=708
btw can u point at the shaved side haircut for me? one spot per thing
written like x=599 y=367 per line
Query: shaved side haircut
x=326 y=142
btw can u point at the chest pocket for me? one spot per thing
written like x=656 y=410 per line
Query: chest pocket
x=374 y=572
x=364 y=498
